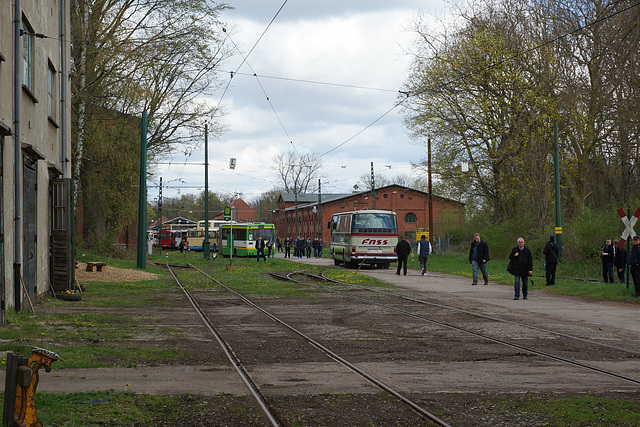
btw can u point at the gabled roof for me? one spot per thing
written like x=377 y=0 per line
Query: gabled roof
x=180 y=220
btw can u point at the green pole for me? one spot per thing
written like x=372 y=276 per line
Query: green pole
x=557 y=176
x=142 y=200
x=205 y=242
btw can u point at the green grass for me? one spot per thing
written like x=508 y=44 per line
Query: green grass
x=575 y=279
x=571 y=411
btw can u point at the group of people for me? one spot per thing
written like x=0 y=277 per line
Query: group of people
x=301 y=247
x=615 y=258
x=403 y=249
x=521 y=259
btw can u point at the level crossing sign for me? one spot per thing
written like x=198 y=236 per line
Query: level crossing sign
x=628 y=225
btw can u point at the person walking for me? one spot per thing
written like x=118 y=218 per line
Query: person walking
x=423 y=249
x=300 y=243
x=260 y=245
x=403 y=249
x=478 y=257
x=269 y=246
x=524 y=268
x=608 y=255
x=550 y=252
x=634 y=264
x=619 y=260
x=287 y=247
x=308 y=246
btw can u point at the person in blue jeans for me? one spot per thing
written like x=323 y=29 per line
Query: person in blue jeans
x=478 y=257
x=608 y=256
x=524 y=268
x=260 y=245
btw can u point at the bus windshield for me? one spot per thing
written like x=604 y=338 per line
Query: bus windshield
x=374 y=223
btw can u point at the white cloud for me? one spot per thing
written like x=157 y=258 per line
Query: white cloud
x=357 y=44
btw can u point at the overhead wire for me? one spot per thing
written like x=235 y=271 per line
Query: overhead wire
x=244 y=58
x=409 y=95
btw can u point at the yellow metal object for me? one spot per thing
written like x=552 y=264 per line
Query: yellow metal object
x=419 y=235
x=26 y=384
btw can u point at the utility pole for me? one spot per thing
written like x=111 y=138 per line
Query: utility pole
x=558 y=231
x=430 y=191
x=373 y=188
x=319 y=209
x=142 y=199
x=205 y=242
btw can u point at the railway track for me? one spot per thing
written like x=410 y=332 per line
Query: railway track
x=254 y=388
x=502 y=342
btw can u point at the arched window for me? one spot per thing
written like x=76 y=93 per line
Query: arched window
x=410 y=218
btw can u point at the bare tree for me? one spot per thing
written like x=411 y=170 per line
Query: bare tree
x=299 y=172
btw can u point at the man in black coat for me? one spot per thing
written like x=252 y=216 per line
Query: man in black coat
x=524 y=267
x=550 y=252
x=478 y=257
x=403 y=249
x=620 y=260
x=634 y=264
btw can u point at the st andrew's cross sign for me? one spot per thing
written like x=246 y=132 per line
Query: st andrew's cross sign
x=628 y=225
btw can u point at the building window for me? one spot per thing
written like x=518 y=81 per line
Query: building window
x=410 y=218
x=385 y=195
x=402 y=196
x=51 y=91
x=27 y=55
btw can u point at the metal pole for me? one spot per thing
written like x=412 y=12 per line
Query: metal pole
x=295 y=192
x=628 y=249
x=430 y=191
x=142 y=197
x=205 y=242
x=230 y=240
x=373 y=189
x=557 y=177
x=319 y=210
x=17 y=153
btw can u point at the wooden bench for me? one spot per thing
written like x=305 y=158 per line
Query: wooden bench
x=96 y=266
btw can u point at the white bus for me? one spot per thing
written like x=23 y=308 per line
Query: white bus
x=367 y=236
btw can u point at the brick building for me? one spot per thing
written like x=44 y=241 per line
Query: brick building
x=306 y=217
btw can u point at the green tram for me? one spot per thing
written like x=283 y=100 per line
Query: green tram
x=244 y=238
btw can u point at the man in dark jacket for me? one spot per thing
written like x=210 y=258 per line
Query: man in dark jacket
x=634 y=264
x=478 y=257
x=423 y=248
x=403 y=249
x=550 y=252
x=608 y=255
x=260 y=245
x=524 y=267
x=620 y=260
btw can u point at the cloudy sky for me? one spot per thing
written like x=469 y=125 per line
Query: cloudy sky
x=331 y=71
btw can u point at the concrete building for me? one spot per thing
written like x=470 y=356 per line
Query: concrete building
x=305 y=215
x=35 y=151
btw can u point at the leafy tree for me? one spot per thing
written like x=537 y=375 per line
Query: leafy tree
x=130 y=56
x=485 y=103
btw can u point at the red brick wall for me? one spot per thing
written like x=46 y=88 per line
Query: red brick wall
x=400 y=199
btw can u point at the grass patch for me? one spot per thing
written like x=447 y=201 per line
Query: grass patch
x=571 y=411
x=571 y=278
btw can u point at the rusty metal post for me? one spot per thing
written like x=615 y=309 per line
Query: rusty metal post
x=26 y=383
